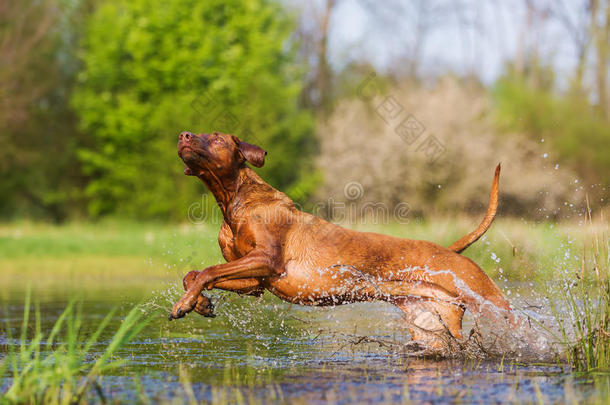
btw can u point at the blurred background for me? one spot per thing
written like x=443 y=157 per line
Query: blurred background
x=416 y=101
x=386 y=116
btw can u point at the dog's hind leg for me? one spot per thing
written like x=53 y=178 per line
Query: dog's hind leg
x=430 y=321
x=431 y=311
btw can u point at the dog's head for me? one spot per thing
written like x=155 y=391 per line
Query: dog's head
x=217 y=154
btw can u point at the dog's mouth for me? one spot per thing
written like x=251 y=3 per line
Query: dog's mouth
x=187 y=150
x=193 y=157
x=183 y=148
x=188 y=155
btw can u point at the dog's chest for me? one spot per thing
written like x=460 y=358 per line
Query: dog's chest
x=234 y=246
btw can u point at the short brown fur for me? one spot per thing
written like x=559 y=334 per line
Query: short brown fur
x=270 y=245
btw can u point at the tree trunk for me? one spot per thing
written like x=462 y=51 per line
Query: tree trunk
x=323 y=78
x=600 y=32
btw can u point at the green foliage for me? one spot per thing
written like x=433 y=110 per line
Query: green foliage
x=580 y=136
x=61 y=367
x=153 y=68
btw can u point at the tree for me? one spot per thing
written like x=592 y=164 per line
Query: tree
x=25 y=29
x=586 y=24
x=153 y=68
x=312 y=34
x=39 y=170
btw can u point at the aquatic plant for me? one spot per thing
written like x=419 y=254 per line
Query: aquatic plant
x=62 y=366
x=582 y=306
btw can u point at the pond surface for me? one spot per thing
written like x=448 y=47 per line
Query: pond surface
x=261 y=350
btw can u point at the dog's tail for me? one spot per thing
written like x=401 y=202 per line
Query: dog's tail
x=461 y=244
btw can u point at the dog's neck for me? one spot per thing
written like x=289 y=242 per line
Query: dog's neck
x=227 y=190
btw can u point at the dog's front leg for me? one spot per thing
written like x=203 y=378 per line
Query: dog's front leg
x=244 y=286
x=256 y=264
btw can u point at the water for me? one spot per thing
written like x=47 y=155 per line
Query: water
x=264 y=350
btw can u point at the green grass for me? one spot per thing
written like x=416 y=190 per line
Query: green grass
x=511 y=249
x=583 y=308
x=103 y=252
x=60 y=367
x=127 y=251
x=110 y=238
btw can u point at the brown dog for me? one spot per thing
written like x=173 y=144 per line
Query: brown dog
x=269 y=244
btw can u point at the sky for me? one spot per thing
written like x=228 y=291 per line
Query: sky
x=476 y=37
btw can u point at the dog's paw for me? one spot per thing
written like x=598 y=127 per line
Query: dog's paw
x=183 y=307
x=205 y=307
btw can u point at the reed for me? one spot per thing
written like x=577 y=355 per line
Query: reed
x=582 y=307
x=62 y=367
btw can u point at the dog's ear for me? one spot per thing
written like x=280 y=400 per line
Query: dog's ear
x=252 y=153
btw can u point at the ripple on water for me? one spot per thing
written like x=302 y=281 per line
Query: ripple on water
x=357 y=353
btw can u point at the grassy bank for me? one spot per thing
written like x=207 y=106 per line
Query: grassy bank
x=140 y=252
x=109 y=252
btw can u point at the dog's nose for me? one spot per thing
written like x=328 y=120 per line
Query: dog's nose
x=185 y=136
